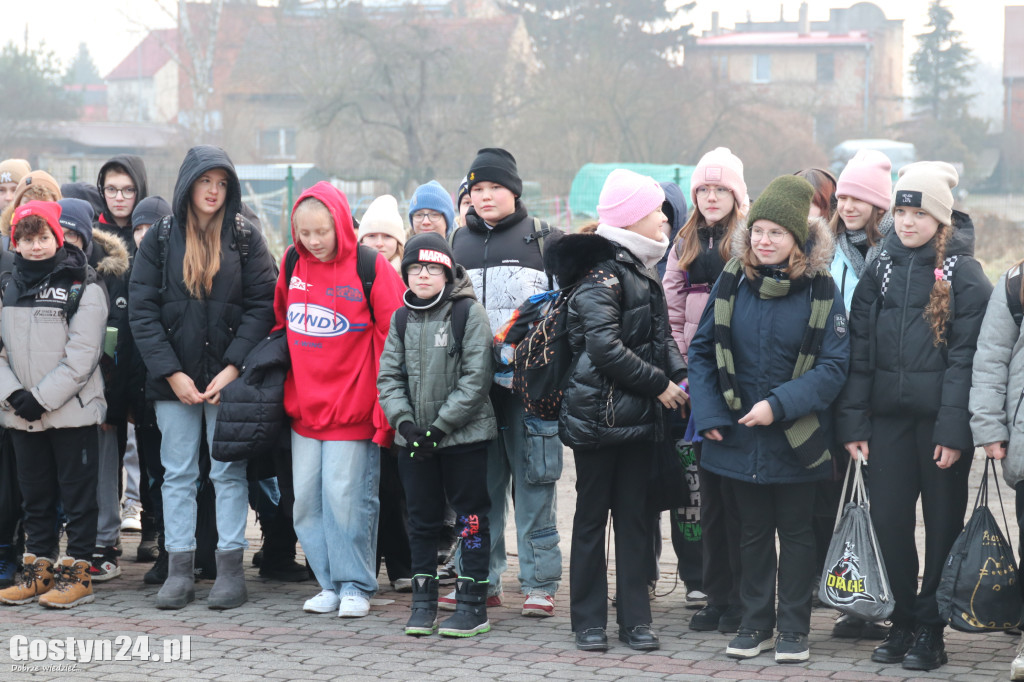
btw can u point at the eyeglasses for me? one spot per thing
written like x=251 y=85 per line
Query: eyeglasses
x=774 y=236
x=127 y=192
x=720 y=192
x=432 y=268
x=420 y=216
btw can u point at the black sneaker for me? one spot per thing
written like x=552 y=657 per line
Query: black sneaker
x=158 y=574
x=707 y=618
x=730 y=620
x=895 y=645
x=791 y=647
x=848 y=627
x=592 y=639
x=104 y=564
x=929 y=650
x=749 y=643
x=149 y=547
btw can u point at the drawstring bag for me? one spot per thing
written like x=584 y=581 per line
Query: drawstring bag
x=979 y=590
x=854 y=580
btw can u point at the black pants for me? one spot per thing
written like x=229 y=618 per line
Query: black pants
x=11 y=531
x=59 y=465
x=686 y=532
x=462 y=476
x=392 y=524
x=901 y=452
x=784 y=508
x=720 y=539
x=610 y=479
x=151 y=477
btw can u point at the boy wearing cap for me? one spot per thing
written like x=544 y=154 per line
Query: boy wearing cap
x=434 y=389
x=501 y=248
x=431 y=210
x=52 y=321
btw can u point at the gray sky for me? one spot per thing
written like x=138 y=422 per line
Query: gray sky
x=112 y=27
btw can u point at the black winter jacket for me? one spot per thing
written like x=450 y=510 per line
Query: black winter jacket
x=251 y=419
x=895 y=368
x=107 y=255
x=175 y=332
x=623 y=354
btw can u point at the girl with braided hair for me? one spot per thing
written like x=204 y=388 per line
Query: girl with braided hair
x=914 y=322
x=769 y=358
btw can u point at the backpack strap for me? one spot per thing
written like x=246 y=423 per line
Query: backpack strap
x=1013 y=302
x=459 y=315
x=401 y=321
x=540 y=230
x=163 y=237
x=366 y=266
x=76 y=291
x=242 y=233
x=291 y=258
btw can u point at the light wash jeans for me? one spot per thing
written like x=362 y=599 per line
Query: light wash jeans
x=181 y=426
x=336 y=511
x=527 y=451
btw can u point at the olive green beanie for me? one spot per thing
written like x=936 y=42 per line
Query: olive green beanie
x=786 y=201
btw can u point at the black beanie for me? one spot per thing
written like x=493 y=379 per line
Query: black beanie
x=495 y=165
x=428 y=247
x=150 y=210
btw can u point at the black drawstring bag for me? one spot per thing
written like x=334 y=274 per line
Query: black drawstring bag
x=979 y=589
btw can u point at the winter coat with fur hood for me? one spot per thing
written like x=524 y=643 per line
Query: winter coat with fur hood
x=176 y=332
x=425 y=382
x=623 y=354
x=43 y=353
x=895 y=366
x=107 y=255
x=766 y=339
x=997 y=383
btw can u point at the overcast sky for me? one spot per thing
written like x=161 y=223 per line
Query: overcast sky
x=112 y=27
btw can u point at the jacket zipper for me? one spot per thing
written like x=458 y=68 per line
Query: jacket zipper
x=483 y=297
x=903 y=322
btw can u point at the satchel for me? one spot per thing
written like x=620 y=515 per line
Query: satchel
x=854 y=580
x=979 y=589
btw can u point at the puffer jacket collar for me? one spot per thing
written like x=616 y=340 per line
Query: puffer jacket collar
x=960 y=244
x=820 y=246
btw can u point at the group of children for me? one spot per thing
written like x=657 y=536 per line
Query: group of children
x=830 y=318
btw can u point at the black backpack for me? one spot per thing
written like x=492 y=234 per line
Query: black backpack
x=1013 y=277
x=366 y=266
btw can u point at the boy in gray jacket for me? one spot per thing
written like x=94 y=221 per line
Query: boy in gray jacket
x=53 y=315
x=435 y=376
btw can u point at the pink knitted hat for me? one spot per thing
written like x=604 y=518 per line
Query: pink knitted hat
x=627 y=198
x=868 y=177
x=723 y=168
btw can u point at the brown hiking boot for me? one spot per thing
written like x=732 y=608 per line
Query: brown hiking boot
x=72 y=585
x=34 y=579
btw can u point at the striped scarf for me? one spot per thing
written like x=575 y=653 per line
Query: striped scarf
x=804 y=434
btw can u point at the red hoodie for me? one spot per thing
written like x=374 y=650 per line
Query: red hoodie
x=331 y=390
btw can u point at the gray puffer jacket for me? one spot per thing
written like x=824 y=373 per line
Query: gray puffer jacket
x=997 y=384
x=425 y=383
x=58 y=362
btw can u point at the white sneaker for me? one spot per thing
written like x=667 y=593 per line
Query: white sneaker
x=353 y=606
x=131 y=519
x=325 y=602
x=1017 y=667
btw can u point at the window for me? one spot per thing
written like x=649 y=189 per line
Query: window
x=826 y=68
x=762 y=68
x=277 y=143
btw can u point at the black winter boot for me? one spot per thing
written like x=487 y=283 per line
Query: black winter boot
x=423 y=618
x=470 y=616
x=158 y=573
x=895 y=645
x=929 y=650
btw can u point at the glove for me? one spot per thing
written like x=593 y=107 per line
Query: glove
x=431 y=439
x=25 y=405
x=413 y=435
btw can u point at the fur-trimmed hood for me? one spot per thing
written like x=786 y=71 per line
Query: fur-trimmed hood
x=821 y=243
x=108 y=254
x=570 y=258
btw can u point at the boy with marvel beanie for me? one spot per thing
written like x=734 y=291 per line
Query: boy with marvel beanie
x=436 y=396
x=501 y=248
x=53 y=319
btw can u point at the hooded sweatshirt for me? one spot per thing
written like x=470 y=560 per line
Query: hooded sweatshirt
x=137 y=172
x=329 y=325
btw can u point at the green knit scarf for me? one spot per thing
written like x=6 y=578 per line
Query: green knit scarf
x=804 y=434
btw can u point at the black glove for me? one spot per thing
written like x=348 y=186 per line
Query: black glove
x=25 y=405
x=431 y=439
x=414 y=436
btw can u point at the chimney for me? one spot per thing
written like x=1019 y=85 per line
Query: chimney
x=714 y=23
x=805 y=22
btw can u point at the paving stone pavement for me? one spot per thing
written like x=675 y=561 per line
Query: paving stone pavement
x=272 y=638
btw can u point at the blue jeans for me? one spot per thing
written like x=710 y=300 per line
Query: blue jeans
x=528 y=452
x=336 y=511
x=181 y=427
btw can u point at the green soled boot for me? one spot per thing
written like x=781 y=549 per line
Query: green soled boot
x=228 y=591
x=470 y=616
x=179 y=589
x=423 y=618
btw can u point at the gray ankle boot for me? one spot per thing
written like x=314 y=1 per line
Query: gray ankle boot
x=228 y=591
x=179 y=588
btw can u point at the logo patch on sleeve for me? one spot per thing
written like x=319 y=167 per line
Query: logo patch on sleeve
x=839 y=324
